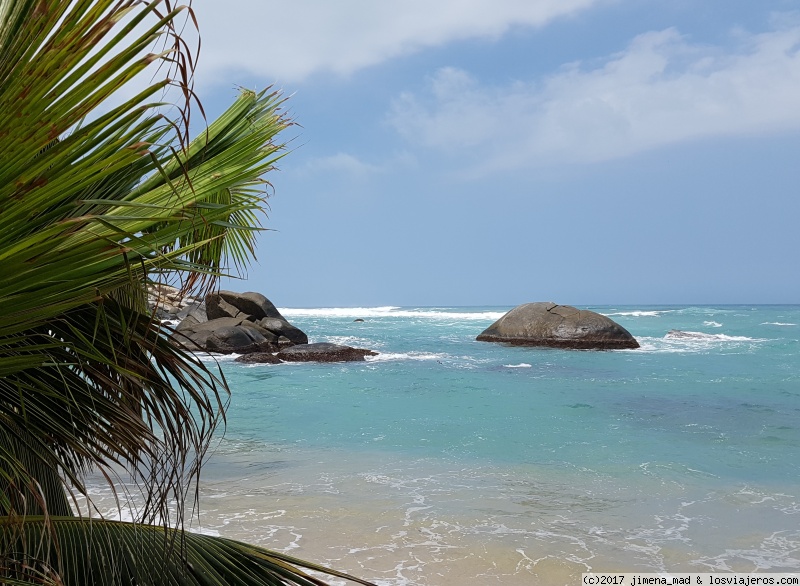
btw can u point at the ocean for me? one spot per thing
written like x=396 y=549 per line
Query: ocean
x=446 y=461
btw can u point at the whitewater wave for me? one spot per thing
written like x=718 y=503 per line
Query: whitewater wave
x=679 y=341
x=212 y=357
x=354 y=341
x=702 y=336
x=521 y=365
x=640 y=313
x=397 y=356
x=712 y=324
x=776 y=323
x=391 y=311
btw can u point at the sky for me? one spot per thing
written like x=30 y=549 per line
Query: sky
x=497 y=152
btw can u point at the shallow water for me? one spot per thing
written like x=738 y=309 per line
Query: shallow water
x=449 y=461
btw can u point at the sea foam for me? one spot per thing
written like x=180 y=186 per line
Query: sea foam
x=703 y=337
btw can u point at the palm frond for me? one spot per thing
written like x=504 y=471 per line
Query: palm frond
x=99 y=200
x=123 y=553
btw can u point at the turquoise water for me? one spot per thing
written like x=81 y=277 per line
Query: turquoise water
x=444 y=460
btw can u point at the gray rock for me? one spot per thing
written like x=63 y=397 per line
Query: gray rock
x=251 y=303
x=223 y=323
x=558 y=326
x=281 y=327
x=217 y=307
x=167 y=302
x=225 y=335
x=324 y=352
x=215 y=324
x=195 y=315
x=191 y=340
x=194 y=308
x=259 y=358
x=234 y=340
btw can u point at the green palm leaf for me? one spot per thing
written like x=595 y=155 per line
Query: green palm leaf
x=111 y=552
x=99 y=200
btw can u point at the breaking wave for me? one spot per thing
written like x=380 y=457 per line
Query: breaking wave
x=640 y=313
x=390 y=311
x=701 y=336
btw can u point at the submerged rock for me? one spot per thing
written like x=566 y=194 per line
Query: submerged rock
x=324 y=352
x=558 y=326
x=259 y=358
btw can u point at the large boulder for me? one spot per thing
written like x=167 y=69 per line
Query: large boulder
x=241 y=323
x=225 y=335
x=323 y=352
x=231 y=304
x=558 y=326
x=255 y=308
x=283 y=329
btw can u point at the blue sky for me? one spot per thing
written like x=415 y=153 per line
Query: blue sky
x=495 y=152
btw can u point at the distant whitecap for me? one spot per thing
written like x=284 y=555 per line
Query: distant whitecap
x=391 y=311
x=640 y=313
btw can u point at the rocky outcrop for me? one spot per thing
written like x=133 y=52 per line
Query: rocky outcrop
x=324 y=352
x=168 y=303
x=250 y=325
x=558 y=326
x=241 y=323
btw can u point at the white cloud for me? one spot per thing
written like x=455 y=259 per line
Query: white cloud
x=355 y=168
x=289 y=41
x=342 y=163
x=661 y=90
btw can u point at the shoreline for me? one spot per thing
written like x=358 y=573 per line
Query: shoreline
x=403 y=521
